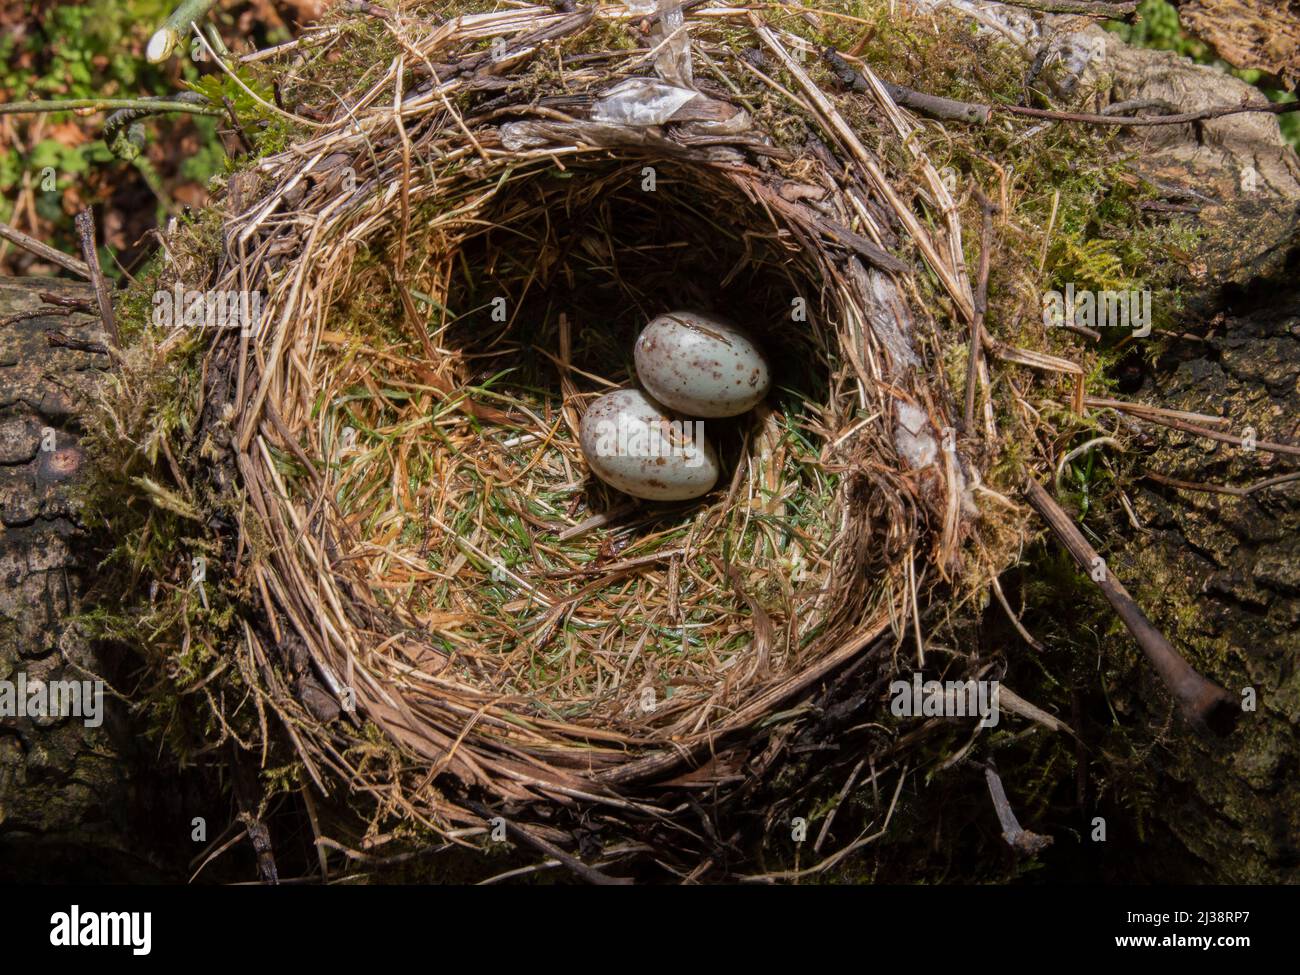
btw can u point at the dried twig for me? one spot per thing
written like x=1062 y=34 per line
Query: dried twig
x=1182 y=118
x=65 y=341
x=1270 y=446
x=1094 y=8
x=24 y=316
x=981 y=306
x=576 y=866
x=1146 y=410
x=70 y=302
x=1204 y=703
x=85 y=222
x=45 y=251
x=948 y=109
x=1021 y=840
x=86 y=106
x=1236 y=492
x=1176 y=420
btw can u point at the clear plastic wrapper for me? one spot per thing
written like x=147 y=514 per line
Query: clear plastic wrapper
x=673 y=64
x=640 y=101
x=517 y=136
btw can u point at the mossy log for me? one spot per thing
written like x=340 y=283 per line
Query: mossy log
x=76 y=802
x=1220 y=572
x=1259 y=34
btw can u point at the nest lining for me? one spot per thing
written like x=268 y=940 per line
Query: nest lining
x=533 y=578
x=453 y=574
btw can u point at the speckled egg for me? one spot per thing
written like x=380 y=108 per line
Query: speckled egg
x=634 y=444
x=701 y=365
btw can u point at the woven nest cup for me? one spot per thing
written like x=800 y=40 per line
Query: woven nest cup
x=446 y=290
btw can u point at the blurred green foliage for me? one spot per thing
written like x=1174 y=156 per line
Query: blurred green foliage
x=72 y=51
x=68 y=50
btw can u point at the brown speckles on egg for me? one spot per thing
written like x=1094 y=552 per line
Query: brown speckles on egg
x=684 y=359
x=630 y=442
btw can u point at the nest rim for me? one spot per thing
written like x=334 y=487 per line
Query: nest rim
x=456 y=742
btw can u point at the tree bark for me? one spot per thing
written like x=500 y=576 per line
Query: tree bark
x=1255 y=34
x=1221 y=575
x=71 y=805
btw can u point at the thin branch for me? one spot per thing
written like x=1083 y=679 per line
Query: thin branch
x=1273 y=108
x=150 y=106
x=950 y=109
x=553 y=852
x=1173 y=423
x=65 y=301
x=24 y=316
x=44 y=251
x=1094 y=8
x=1204 y=703
x=981 y=306
x=919 y=101
x=85 y=222
x=89 y=105
x=1147 y=410
x=1236 y=492
x=63 y=340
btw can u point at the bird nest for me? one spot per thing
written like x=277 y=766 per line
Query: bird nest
x=448 y=611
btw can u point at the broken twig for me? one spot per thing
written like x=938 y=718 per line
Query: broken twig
x=85 y=222
x=1204 y=703
x=44 y=251
x=1019 y=839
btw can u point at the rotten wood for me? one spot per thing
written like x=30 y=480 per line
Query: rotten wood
x=63 y=340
